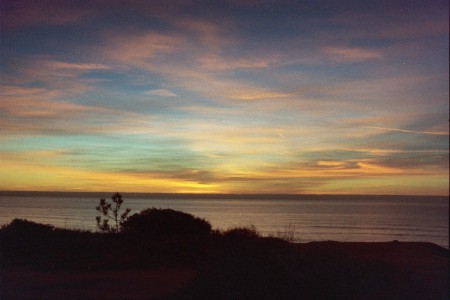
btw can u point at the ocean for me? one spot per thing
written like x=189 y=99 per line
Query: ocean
x=309 y=217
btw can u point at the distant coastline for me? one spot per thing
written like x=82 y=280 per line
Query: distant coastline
x=218 y=196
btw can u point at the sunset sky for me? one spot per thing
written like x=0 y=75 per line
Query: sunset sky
x=316 y=97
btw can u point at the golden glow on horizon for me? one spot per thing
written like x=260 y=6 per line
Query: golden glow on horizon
x=365 y=179
x=48 y=178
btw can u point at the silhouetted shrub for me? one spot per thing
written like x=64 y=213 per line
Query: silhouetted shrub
x=46 y=247
x=156 y=222
x=242 y=233
x=111 y=212
x=25 y=227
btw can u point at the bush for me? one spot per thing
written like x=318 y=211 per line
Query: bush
x=23 y=227
x=242 y=233
x=156 y=222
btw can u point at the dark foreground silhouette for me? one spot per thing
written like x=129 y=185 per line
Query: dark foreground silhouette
x=190 y=261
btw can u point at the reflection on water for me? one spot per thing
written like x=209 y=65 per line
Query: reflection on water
x=415 y=219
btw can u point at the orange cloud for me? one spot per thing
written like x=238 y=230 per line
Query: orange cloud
x=38 y=175
x=331 y=163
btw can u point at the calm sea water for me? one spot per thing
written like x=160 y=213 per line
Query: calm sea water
x=330 y=218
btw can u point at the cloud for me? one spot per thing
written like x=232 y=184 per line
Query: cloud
x=347 y=55
x=408 y=131
x=42 y=176
x=40 y=109
x=79 y=67
x=220 y=63
x=141 y=49
x=258 y=95
x=161 y=93
x=27 y=110
x=50 y=79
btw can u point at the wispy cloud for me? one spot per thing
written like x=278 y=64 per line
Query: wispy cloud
x=141 y=49
x=161 y=93
x=61 y=65
x=345 y=54
x=219 y=63
x=408 y=131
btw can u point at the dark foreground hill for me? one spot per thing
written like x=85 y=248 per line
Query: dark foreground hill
x=42 y=262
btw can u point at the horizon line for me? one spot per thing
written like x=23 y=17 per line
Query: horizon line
x=204 y=195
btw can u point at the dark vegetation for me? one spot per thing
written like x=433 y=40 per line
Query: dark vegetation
x=164 y=222
x=110 y=211
x=234 y=264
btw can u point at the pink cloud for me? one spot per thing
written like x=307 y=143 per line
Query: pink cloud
x=346 y=54
x=60 y=65
x=220 y=63
x=58 y=79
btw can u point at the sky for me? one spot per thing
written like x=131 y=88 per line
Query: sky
x=298 y=97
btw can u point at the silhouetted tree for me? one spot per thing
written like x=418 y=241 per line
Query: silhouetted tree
x=110 y=211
